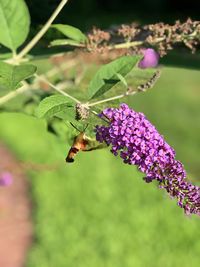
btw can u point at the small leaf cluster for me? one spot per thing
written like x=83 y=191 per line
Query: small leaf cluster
x=106 y=78
x=25 y=89
x=15 y=25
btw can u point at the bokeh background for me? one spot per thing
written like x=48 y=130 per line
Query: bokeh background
x=98 y=211
x=104 y=13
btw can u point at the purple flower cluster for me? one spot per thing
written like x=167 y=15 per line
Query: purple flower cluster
x=138 y=142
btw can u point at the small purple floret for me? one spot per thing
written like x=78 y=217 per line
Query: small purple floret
x=6 y=179
x=138 y=142
x=150 y=59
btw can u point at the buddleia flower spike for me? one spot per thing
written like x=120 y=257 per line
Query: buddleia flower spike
x=137 y=141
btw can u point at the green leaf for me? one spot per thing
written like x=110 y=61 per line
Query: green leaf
x=64 y=42
x=11 y=76
x=108 y=75
x=67 y=115
x=71 y=32
x=14 y=23
x=122 y=79
x=4 y=56
x=53 y=105
x=144 y=78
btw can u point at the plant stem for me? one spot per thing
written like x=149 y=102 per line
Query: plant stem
x=126 y=45
x=134 y=43
x=62 y=92
x=13 y=94
x=56 y=88
x=110 y=99
x=26 y=87
x=39 y=35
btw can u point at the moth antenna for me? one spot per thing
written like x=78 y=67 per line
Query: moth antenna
x=75 y=127
x=85 y=127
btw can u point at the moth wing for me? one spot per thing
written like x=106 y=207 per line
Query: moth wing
x=93 y=144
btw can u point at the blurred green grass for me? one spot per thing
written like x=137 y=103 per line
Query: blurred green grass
x=98 y=211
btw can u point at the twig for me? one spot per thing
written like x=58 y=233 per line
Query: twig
x=107 y=100
x=39 y=35
x=42 y=78
x=27 y=87
x=13 y=94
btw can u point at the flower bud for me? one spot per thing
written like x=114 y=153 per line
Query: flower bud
x=150 y=59
x=6 y=179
